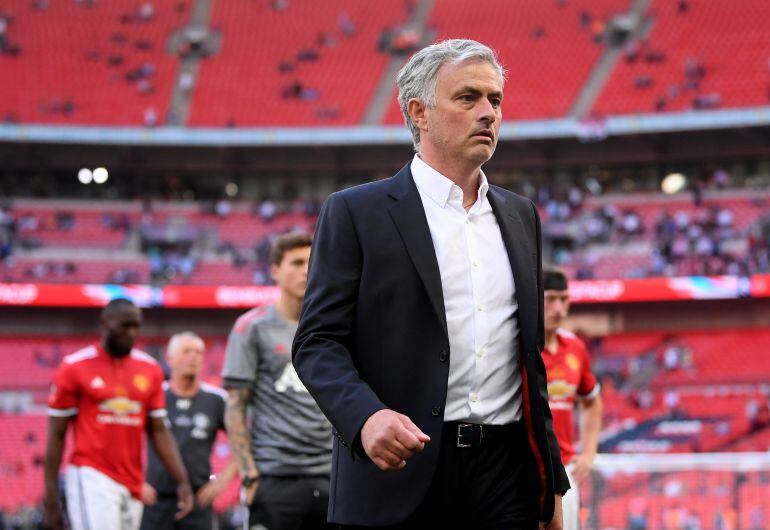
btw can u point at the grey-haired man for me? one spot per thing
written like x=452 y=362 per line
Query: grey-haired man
x=422 y=325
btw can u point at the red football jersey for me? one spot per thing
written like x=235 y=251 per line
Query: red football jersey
x=109 y=399
x=569 y=378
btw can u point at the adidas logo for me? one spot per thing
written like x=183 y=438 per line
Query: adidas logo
x=97 y=382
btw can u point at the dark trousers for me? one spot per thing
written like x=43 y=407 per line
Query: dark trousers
x=291 y=503
x=160 y=516
x=491 y=485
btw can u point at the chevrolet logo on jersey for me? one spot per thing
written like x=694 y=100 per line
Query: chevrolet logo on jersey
x=121 y=406
x=560 y=389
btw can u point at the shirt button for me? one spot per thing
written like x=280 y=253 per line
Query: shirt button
x=482 y=352
x=443 y=356
x=474 y=397
x=479 y=307
x=436 y=410
x=475 y=263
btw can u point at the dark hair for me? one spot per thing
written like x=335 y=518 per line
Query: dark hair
x=554 y=279
x=116 y=304
x=287 y=242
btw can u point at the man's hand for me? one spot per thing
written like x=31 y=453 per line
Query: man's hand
x=185 y=500
x=582 y=465
x=209 y=492
x=149 y=495
x=557 y=522
x=52 y=517
x=390 y=439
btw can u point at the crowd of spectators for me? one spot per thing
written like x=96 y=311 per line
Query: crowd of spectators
x=585 y=231
x=695 y=237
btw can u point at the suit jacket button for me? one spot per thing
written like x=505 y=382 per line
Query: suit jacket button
x=443 y=356
x=436 y=410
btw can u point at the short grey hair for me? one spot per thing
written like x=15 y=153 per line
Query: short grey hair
x=419 y=76
x=177 y=337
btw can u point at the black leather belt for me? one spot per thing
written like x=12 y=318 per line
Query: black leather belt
x=467 y=435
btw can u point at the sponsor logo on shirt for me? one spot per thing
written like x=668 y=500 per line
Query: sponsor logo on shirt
x=560 y=389
x=290 y=380
x=120 y=411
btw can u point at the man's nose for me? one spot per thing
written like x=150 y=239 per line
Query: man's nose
x=487 y=112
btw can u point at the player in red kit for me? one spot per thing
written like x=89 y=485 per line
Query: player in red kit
x=111 y=394
x=571 y=384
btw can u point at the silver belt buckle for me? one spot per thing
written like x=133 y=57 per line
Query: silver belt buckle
x=459 y=434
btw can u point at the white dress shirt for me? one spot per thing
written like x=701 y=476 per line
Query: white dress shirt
x=479 y=299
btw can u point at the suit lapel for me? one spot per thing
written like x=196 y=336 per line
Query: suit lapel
x=518 y=246
x=408 y=215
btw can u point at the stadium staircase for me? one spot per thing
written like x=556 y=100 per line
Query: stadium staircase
x=384 y=94
x=639 y=27
x=189 y=66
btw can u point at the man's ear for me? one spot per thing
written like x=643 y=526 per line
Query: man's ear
x=418 y=111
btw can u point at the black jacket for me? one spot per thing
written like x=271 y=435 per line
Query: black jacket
x=373 y=335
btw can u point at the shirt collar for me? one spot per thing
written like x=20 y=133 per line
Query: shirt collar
x=437 y=186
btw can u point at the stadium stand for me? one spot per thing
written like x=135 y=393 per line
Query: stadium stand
x=109 y=74
x=606 y=236
x=694 y=391
x=536 y=45
x=684 y=499
x=310 y=55
x=641 y=235
x=123 y=72
x=28 y=362
x=682 y=66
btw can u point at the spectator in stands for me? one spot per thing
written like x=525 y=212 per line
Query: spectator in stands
x=307 y=54
x=65 y=221
x=146 y=11
x=150 y=117
x=585 y=19
x=571 y=384
x=285 y=459
x=346 y=24
x=638 y=512
x=631 y=50
x=3 y=31
x=630 y=225
x=111 y=394
x=279 y=5
x=223 y=208
x=267 y=210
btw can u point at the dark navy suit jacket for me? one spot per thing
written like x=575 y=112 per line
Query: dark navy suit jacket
x=373 y=335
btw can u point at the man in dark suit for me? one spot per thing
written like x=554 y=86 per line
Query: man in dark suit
x=422 y=325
